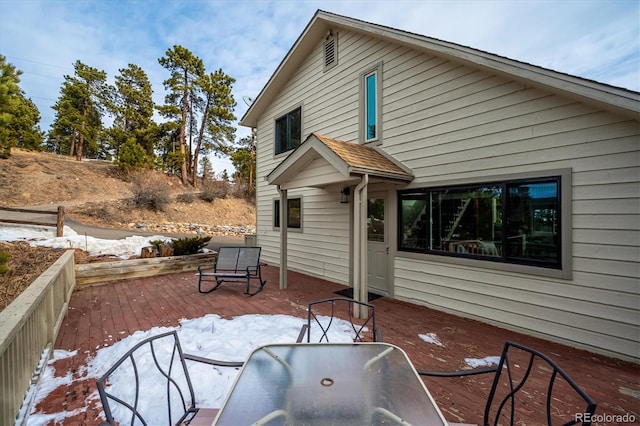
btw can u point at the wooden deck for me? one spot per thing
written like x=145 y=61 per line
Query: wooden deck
x=100 y=315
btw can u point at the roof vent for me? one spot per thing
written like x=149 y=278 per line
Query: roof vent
x=330 y=51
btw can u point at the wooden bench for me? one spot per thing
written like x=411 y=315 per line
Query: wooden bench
x=233 y=264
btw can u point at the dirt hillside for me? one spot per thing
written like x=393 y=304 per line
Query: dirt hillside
x=93 y=192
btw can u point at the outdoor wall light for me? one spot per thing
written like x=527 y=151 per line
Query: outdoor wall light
x=344 y=195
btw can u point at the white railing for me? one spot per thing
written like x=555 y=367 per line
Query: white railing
x=28 y=327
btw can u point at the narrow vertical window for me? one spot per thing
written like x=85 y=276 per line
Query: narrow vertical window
x=371 y=107
x=370 y=126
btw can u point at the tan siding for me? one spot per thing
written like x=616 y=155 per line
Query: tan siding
x=624 y=206
x=607 y=252
x=448 y=122
x=330 y=106
x=540 y=326
x=317 y=169
x=618 y=221
x=541 y=306
x=609 y=282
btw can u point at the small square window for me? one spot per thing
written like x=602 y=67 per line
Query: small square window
x=294 y=216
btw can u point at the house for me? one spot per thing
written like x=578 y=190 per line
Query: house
x=449 y=177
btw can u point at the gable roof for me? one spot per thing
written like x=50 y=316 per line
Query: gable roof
x=604 y=96
x=348 y=159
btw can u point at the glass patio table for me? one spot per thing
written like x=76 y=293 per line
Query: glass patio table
x=329 y=384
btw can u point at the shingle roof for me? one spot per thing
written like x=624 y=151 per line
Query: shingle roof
x=361 y=156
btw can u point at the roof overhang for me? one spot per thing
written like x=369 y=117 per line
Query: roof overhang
x=347 y=163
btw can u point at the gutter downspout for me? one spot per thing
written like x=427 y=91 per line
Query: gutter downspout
x=283 y=238
x=360 y=287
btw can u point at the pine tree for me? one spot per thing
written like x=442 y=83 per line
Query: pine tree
x=216 y=107
x=244 y=160
x=79 y=110
x=19 y=116
x=131 y=104
x=185 y=69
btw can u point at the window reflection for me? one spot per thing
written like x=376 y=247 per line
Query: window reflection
x=514 y=222
x=375 y=220
x=532 y=232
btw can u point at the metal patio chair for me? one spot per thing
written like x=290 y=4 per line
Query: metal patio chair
x=322 y=314
x=164 y=353
x=235 y=265
x=520 y=368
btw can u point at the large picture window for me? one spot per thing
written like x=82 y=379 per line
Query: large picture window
x=289 y=131
x=513 y=222
x=294 y=217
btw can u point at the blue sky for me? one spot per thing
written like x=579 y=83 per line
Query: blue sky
x=598 y=40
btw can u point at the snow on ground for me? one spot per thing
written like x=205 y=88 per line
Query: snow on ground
x=482 y=362
x=45 y=237
x=210 y=336
x=431 y=338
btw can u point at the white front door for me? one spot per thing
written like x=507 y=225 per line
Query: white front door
x=377 y=244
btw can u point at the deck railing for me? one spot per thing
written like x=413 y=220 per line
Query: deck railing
x=29 y=327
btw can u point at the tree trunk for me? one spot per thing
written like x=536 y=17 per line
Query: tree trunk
x=80 y=151
x=185 y=105
x=205 y=116
x=72 y=148
x=165 y=250
x=189 y=164
x=147 y=252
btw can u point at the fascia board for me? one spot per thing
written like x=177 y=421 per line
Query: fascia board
x=301 y=157
x=619 y=99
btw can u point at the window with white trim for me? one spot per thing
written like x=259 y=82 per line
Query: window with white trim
x=370 y=105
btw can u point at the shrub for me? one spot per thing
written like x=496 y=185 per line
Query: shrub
x=186 y=197
x=150 y=191
x=157 y=243
x=132 y=156
x=4 y=258
x=212 y=189
x=188 y=245
x=5 y=144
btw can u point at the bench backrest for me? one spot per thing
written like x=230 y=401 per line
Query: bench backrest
x=237 y=258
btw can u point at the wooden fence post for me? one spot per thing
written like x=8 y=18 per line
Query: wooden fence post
x=60 y=222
